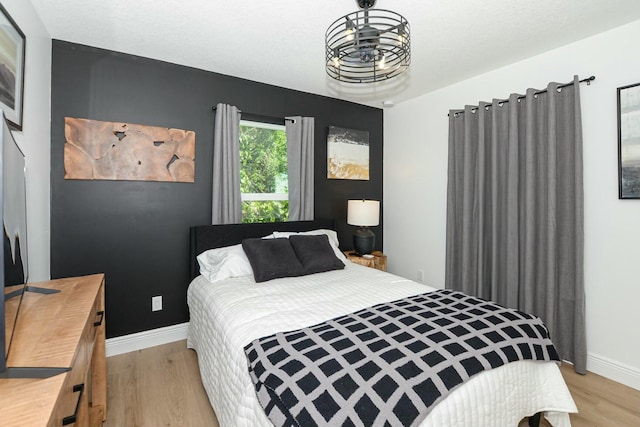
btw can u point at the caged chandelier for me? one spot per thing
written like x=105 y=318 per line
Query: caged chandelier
x=369 y=45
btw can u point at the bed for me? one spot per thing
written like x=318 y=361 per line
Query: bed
x=228 y=315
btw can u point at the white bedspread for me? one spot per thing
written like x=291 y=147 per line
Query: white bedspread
x=227 y=315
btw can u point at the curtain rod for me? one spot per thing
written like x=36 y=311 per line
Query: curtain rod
x=261 y=116
x=588 y=81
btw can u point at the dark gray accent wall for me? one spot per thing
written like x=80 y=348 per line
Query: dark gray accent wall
x=136 y=232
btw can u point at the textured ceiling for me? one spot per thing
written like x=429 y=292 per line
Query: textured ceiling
x=281 y=42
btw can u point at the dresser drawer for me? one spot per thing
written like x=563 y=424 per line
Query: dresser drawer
x=72 y=399
x=72 y=408
x=88 y=338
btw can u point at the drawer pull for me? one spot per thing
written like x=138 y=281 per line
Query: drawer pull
x=72 y=418
x=99 y=322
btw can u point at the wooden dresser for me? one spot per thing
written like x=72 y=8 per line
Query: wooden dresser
x=61 y=330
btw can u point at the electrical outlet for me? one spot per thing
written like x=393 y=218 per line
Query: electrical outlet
x=420 y=275
x=156 y=303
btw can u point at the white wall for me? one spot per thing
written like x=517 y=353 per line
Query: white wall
x=35 y=137
x=415 y=166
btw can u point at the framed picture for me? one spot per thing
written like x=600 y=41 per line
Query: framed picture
x=347 y=154
x=629 y=141
x=12 y=50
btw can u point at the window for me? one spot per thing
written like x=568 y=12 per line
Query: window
x=263 y=172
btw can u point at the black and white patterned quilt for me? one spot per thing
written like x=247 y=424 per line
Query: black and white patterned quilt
x=390 y=364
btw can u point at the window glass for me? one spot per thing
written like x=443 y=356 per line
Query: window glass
x=263 y=172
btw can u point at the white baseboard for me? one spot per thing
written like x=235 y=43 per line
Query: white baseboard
x=146 y=339
x=614 y=370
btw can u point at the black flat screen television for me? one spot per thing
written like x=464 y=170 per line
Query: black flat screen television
x=14 y=271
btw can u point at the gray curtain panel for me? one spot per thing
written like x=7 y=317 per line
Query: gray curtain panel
x=515 y=228
x=300 y=158
x=226 y=201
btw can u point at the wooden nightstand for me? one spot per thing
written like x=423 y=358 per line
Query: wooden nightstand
x=379 y=260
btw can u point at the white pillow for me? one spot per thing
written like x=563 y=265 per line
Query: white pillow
x=331 y=234
x=222 y=263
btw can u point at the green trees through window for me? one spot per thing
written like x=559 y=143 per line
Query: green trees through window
x=263 y=172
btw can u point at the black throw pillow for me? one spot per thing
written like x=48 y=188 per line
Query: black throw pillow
x=271 y=259
x=315 y=253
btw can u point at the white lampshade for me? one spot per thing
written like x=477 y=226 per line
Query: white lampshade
x=364 y=213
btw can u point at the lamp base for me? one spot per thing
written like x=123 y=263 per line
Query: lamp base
x=363 y=241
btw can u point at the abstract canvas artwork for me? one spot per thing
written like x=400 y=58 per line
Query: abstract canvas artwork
x=12 y=57
x=121 y=151
x=347 y=154
x=629 y=141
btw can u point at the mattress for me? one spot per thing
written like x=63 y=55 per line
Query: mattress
x=227 y=315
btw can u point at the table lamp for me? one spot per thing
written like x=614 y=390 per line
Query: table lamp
x=364 y=214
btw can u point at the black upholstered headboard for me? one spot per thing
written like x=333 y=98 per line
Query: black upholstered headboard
x=205 y=237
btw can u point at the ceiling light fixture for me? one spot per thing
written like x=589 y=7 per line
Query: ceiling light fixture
x=369 y=45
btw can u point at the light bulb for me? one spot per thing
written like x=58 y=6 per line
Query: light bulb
x=382 y=63
x=336 y=58
x=348 y=34
x=349 y=30
x=402 y=34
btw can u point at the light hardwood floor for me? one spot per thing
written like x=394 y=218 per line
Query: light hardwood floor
x=157 y=387
x=161 y=386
